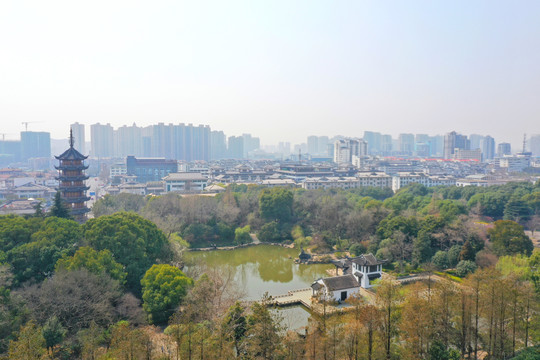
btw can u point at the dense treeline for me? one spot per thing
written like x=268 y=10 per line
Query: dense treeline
x=95 y=291
x=417 y=225
x=493 y=314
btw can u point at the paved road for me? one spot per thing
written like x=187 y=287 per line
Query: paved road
x=95 y=187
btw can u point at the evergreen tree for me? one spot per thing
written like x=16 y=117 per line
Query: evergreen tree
x=59 y=208
x=38 y=210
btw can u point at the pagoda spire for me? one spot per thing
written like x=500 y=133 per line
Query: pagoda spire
x=71 y=140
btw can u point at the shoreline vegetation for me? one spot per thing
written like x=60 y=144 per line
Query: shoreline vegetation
x=120 y=271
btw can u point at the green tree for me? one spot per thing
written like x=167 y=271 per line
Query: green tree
x=437 y=351
x=164 y=287
x=235 y=326
x=453 y=255
x=136 y=243
x=263 y=332
x=35 y=259
x=242 y=236
x=508 y=238
x=30 y=344
x=276 y=204
x=467 y=252
x=517 y=209
x=16 y=231
x=59 y=208
x=38 y=210
x=53 y=332
x=440 y=260
x=465 y=267
x=269 y=232
x=96 y=262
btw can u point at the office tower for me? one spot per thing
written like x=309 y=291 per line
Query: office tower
x=475 y=141
x=71 y=179
x=312 y=145
x=454 y=141
x=534 y=145
x=236 y=147
x=374 y=141
x=218 y=147
x=78 y=137
x=102 y=140
x=406 y=144
x=504 y=149
x=35 y=145
x=488 y=148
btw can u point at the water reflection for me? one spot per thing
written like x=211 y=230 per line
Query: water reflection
x=258 y=269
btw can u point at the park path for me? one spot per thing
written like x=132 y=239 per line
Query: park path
x=255 y=239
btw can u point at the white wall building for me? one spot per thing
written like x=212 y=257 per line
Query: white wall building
x=185 y=182
x=363 y=269
x=403 y=179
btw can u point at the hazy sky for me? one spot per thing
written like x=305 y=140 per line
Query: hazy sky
x=280 y=70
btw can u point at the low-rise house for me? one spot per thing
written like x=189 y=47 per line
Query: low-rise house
x=357 y=272
x=19 y=207
x=185 y=182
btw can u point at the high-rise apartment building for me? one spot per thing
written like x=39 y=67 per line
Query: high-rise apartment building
x=312 y=144
x=35 y=145
x=374 y=141
x=317 y=145
x=128 y=141
x=250 y=144
x=454 y=141
x=346 y=149
x=406 y=144
x=323 y=145
x=236 y=147
x=386 y=145
x=102 y=140
x=218 y=147
x=504 y=149
x=78 y=137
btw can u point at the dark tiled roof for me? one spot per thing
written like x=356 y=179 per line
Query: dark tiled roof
x=342 y=263
x=71 y=154
x=340 y=282
x=368 y=259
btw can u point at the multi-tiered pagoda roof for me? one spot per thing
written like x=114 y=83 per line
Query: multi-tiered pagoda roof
x=71 y=179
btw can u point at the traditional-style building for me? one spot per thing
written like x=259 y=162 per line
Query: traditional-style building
x=71 y=179
x=357 y=272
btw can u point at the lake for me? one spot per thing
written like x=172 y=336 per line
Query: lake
x=264 y=268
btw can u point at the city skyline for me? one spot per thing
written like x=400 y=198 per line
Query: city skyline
x=278 y=70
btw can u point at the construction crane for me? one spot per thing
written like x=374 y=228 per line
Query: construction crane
x=4 y=136
x=25 y=123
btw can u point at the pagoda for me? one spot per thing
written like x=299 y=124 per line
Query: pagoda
x=71 y=179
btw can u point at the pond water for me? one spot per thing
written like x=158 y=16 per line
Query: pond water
x=264 y=268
